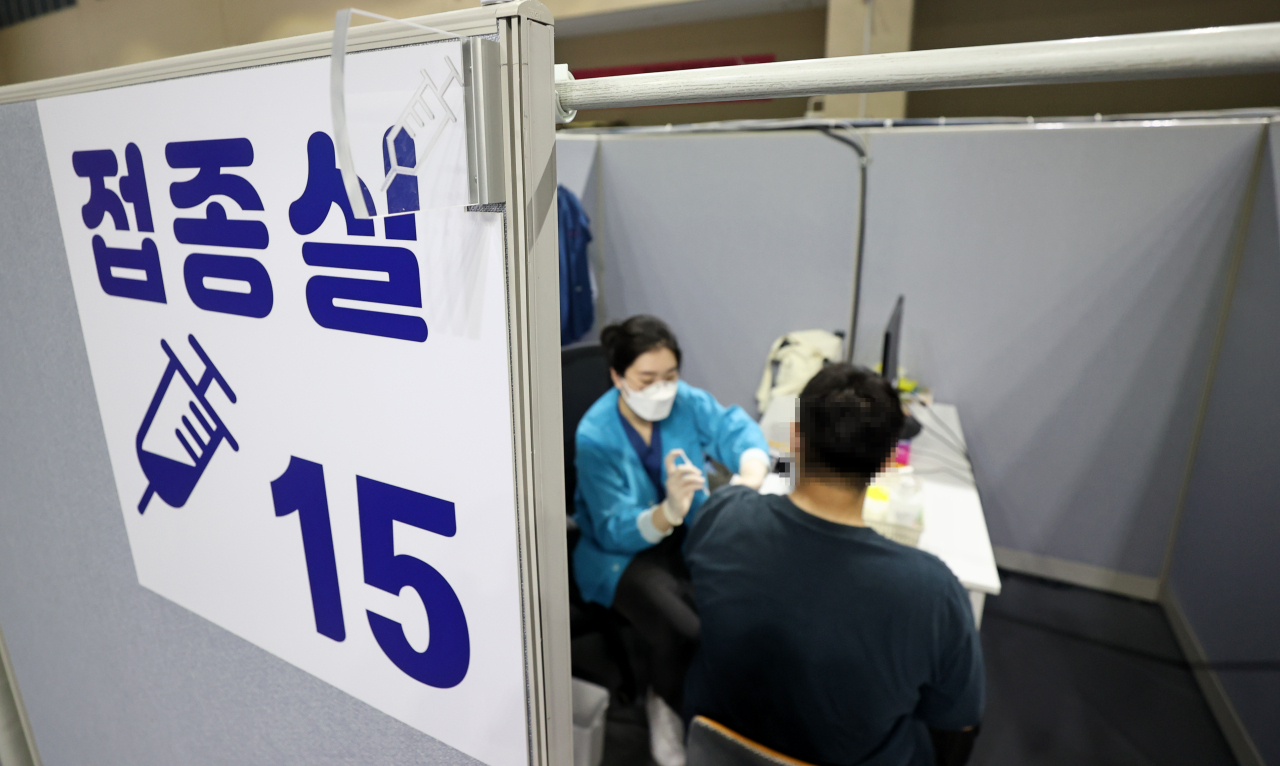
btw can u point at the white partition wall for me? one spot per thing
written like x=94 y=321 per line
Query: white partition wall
x=734 y=239
x=354 y=564
x=1063 y=287
x=1224 y=576
x=576 y=163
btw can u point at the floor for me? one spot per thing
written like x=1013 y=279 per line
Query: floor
x=1073 y=677
x=1080 y=677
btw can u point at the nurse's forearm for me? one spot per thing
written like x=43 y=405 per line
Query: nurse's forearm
x=660 y=520
x=647 y=523
x=753 y=467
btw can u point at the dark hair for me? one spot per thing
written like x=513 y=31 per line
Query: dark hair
x=624 y=341
x=850 y=419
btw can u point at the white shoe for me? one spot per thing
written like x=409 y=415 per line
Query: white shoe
x=666 y=732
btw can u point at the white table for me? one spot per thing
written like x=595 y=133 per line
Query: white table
x=955 y=530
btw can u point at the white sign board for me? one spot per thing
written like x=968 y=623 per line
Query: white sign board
x=308 y=414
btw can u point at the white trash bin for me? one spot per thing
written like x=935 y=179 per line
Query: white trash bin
x=590 y=703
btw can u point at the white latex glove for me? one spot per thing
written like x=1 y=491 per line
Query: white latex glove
x=683 y=481
x=753 y=467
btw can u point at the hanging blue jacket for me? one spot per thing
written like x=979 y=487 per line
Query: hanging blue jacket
x=577 y=307
x=613 y=488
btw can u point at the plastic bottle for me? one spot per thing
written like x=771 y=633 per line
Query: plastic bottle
x=905 y=506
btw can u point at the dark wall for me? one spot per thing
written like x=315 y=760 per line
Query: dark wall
x=786 y=36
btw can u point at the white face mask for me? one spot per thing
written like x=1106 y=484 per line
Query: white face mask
x=653 y=402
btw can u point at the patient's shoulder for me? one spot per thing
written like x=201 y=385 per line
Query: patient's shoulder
x=732 y=499
x=928 y=575
x=738 y=502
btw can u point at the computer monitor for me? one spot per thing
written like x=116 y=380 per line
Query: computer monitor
x=892 y=339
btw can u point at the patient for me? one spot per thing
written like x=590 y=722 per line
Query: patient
x=820 y=638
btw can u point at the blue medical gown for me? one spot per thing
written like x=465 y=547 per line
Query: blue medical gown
x=577 y=305
x=613 y=488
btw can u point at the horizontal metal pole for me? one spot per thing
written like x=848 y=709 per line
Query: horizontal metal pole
x=1186 y=53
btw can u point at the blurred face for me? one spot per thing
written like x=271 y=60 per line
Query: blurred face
x=649 y=368
x=797 y=453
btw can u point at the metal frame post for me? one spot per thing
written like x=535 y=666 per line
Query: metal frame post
x=17 y=744
x=533 y=305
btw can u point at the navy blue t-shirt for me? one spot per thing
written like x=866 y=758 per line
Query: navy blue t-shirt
x=826 y=642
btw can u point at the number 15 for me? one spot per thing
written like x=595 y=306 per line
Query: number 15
x=301 y=488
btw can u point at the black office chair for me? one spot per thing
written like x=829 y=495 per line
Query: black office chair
x=584 y=378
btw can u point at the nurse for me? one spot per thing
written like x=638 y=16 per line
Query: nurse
x=640 y=452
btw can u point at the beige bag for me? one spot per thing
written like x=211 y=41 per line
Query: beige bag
x=798 y=356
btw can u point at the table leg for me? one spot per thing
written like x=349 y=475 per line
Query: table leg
x=977 y=599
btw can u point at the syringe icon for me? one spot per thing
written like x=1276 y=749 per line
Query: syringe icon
x=420 y=112
x=174 y=480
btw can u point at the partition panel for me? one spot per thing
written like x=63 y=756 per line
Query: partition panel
x=575 y=161
x=1063 y=287
x=734 y=239
x=1225 y=574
